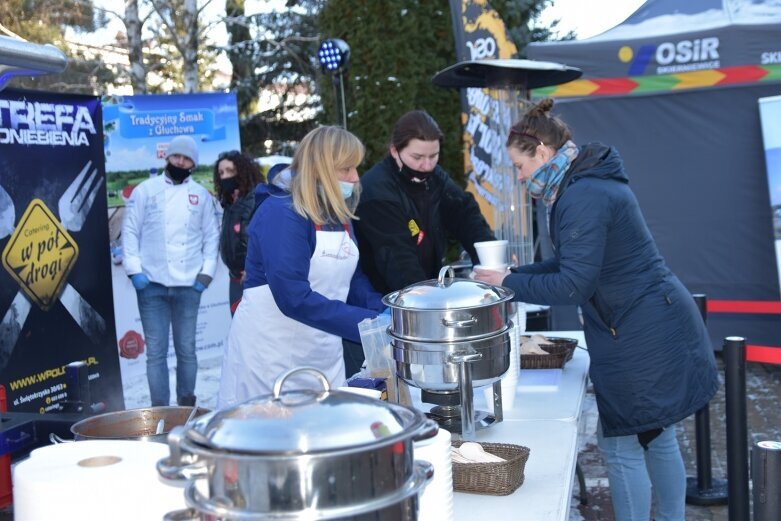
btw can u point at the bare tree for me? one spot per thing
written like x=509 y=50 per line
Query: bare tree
x=184 y=34
x=239 y=45
x=133 y=26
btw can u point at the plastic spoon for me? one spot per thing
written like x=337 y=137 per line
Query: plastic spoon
x=192 y=413
x=475 y=452
x=457 y=457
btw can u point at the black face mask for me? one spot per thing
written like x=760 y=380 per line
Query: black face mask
x=413 y=176
x=228 y=185
x=177 y=174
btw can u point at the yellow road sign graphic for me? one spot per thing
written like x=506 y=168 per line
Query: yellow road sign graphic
x=40 y=254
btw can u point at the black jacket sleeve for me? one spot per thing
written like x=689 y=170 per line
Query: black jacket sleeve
x=462 y=218
x=233 y=238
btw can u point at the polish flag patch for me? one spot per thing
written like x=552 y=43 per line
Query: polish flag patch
x=194 y=199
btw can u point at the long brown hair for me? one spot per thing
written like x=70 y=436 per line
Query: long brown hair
x=539 y=126
x=248 y=174
x=315 y=186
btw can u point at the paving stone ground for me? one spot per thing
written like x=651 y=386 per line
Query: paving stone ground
x=763 y=399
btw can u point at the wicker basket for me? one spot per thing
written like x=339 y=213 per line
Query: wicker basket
x=495 y=479
x=560 y=349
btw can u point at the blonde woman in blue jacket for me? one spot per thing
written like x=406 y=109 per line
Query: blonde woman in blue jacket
x=304 y=290
x=652 y=363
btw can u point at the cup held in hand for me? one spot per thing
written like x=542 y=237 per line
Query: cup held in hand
x=498 y=267
x=492 y=254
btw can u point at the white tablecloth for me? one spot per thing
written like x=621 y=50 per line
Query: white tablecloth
x=546 y=421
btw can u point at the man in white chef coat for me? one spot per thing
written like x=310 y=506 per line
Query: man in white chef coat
x=170 y=239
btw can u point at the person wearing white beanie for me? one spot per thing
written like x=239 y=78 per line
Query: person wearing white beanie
x=183 y=146
x=170 y=244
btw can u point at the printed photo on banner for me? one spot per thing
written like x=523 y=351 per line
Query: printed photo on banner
x=487 y=115
x=770 y=116
x=138 y=131
x=481 y=34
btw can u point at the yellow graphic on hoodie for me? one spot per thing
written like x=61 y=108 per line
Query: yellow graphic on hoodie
x=413 y=227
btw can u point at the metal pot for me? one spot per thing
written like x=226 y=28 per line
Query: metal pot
x=133 y=424
x=448 y=309
x=302 y=454
x=434 y=366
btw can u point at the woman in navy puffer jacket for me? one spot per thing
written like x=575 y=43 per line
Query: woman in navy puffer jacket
x=652 y=364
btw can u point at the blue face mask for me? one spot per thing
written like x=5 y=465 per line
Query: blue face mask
x=347 y=189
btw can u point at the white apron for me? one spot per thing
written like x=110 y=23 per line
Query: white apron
x=263 y=343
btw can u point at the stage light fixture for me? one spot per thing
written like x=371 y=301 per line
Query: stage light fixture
x=333 y=55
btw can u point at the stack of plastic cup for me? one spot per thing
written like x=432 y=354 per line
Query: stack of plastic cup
x=436 y=501
x=510 y=378
x=519 y=317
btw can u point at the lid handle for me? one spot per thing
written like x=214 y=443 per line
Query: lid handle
x=445 y=270
x=460 y=358
x=471 y=321
x=277 y=391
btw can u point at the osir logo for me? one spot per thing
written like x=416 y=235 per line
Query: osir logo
x=40 y=254
x=671 y=57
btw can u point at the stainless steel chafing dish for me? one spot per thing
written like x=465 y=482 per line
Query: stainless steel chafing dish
x=448 y=335
x=302 y=454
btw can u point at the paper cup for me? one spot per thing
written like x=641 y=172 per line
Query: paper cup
x=492 y=253
x=509 y=387
x=498 y=267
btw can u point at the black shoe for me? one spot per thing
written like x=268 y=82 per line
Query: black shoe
x=188 y=401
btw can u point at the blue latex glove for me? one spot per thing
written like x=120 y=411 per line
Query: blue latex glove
x=199 y=287
x=139 y=280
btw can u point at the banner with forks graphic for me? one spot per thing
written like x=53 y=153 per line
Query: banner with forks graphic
x=56 y=302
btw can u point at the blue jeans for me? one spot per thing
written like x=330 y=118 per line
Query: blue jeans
x=162 y=309
x=633 y=471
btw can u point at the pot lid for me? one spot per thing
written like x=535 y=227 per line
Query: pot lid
x=447 y=293
x=305 y=421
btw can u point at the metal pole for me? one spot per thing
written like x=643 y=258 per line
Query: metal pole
x=737 y=431
x=341 y=106
x=702 y=421
x=766 y=480
x=702 y=424
x=704 y=490
x=344 y=102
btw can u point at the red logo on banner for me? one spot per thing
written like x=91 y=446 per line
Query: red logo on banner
x=127 y=191
x=194 y=199
x=131 y=345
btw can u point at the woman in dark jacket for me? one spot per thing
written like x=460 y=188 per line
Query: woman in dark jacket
x=652 y=363
x=410 y=208
x=235 y=177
